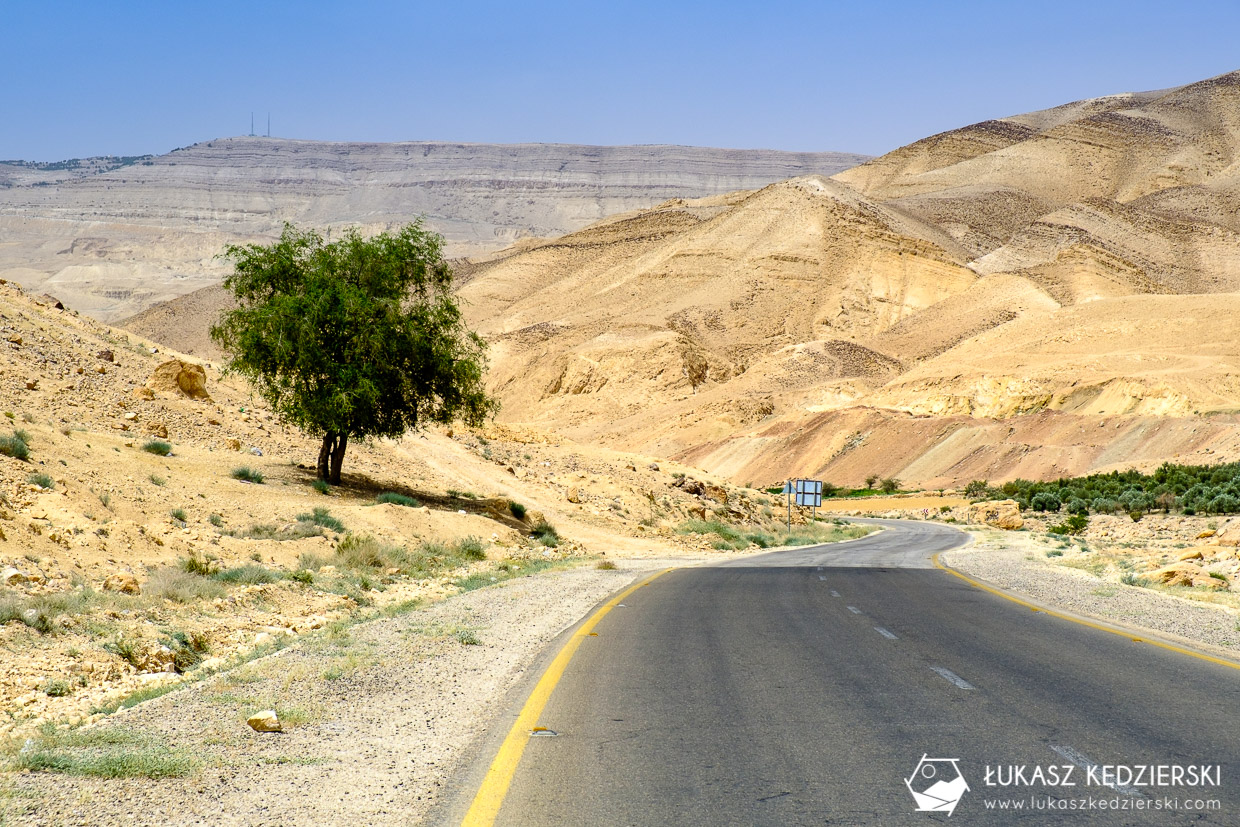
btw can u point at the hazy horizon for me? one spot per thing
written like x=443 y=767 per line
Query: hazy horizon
x=792 y=76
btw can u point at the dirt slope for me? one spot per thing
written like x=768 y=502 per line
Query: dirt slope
x=122 y=566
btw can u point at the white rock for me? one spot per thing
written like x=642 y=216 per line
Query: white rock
x=11 y=577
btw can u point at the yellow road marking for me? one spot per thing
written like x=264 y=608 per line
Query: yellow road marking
x=490 y=797
x=1168 y=646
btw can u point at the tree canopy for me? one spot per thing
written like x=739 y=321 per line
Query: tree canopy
x=356 y=337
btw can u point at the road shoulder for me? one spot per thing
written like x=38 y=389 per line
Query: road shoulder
x=1209 y=628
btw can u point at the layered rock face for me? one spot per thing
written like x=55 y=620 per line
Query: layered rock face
x=113 y=236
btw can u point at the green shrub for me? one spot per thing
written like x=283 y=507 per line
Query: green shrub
x=102 y=753
x=1129 y=578
x=179 y=515
x=471 y=548
x=605 y=565
x=250 y=574
x=546 y=534
x=397 y=499
x=1075 y=524
x=889 y=486
x=57 y=688
x=1055 y=552
x=42 y=480
x=516 y=509
x=1044 y=501
x=157 y=480
x=976 y=490
x=322 y=486
x=41 y=612
x=321 y=517
x=362 y=551
x=266 y=531
x=15 y=447
x=181 y=586
x=467 y=637
x=215 y=520
x=247 y=474
x=158 y=447
x=196 y=564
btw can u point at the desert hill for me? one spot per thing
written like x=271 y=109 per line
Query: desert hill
x=1031 y=296
x=154 y=515
x=1017 y=297
x=111 y=236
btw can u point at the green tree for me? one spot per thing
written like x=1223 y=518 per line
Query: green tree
x=357 y=337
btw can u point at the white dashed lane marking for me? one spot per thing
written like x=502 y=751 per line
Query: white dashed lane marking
x=952 y=677
x=886 y=633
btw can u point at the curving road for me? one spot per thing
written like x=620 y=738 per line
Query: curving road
x=804 y=687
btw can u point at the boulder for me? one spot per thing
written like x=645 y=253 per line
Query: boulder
x=1185 y=574
x=11 y=576
x=575 y=495
x=714 y=492
x=1191 y=554
x=123 y=582
x=1004 y=514
x=158 y=429
x=157 y=659
x=175 y=376
x=265 y=721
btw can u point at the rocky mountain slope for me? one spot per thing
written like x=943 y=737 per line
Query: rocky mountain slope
x=110 y=236
x=1038 y=295
x=1033 y=296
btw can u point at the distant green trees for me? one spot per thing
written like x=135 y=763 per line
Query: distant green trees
x=1190 y=489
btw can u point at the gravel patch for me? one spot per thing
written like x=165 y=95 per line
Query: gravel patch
x=1018 y=569
x=381 y=712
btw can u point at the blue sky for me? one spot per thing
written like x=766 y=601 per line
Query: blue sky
x=90 y=78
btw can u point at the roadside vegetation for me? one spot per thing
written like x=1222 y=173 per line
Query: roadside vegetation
x=773 y=535
x=1186 y=489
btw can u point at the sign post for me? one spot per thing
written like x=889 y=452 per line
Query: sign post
x=788 y=489
x=805 y=493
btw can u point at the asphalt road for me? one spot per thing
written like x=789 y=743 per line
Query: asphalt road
x=804 y=687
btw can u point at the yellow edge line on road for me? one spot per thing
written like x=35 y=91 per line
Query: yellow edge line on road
x=490 y=797
x=1109 y=630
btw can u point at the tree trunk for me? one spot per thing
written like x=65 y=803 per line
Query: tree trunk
x=331 y=456
x=338 y=458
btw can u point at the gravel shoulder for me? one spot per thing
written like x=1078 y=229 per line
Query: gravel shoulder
x=382 y=712
x=1017 y=564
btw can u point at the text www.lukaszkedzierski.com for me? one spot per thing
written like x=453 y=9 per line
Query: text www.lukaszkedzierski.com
x=1036 y=802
